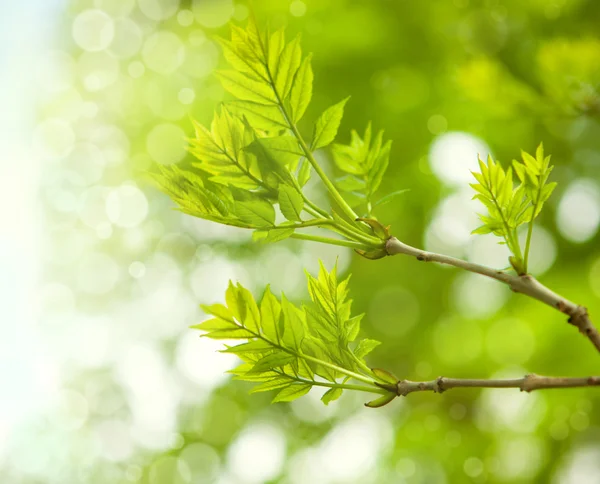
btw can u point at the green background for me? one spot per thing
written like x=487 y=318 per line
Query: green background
x=140 y=398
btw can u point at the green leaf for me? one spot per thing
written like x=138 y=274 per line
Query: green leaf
x=384 y=375
x=273 y=384
x=292 y=392
x=381 y=401
x=301 y=92
x=294 y=332
x=270 y=311
x=257 y=346
x=327 y=125
x=259 y=116
x=287 y=65
x=331 y=395
x=258 y=213
x=365 y=347
x=273 y=235
x=246 y=88
x=389 y=197
x=240 y=60
x=237 y=333
x=291 y=203
x=304 y=172
x=215 y=324
x=273 y=360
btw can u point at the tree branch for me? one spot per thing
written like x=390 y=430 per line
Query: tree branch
x=525 y=284
x=528 y=383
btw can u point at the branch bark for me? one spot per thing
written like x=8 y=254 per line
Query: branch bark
x=525 y=284
x=528 y=383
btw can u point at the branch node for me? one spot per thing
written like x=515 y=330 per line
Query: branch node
x=438 y=385
x=530 y=382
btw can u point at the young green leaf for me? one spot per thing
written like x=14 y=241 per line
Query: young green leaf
x=381 y=401
x=331 y=395
x=292 y=392
x=291 y=203
x=269 y=236
x=510 y=207
x=286 y=346
x=258 y=213
x=301 y=92
x=327 y=125
x=365 y=160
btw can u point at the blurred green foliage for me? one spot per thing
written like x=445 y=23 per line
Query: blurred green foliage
x=507 y=74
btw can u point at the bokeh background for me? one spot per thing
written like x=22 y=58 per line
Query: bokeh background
x=101 y=379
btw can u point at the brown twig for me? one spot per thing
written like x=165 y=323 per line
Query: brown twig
x=528 y=383
x=525 y=284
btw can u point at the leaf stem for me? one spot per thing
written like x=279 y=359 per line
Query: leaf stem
x=528 y=242
x=331 y=241
x=307 y=152
x=324 y=178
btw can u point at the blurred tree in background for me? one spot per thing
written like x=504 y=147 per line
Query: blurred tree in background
x=139 y=398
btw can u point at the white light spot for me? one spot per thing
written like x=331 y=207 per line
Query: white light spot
x=163 y=52
x=478 y=297
x=136 y=69
x=516 y=411
x=473 y=467
x=581 y=467
x=115 y=8
x=126 y=206
x=450 y=229
x=158 y=9
x=70 y=410
x=351 y=450
x=542 y=253
x=258 y=454
x=578 y=214
x=115 y=440
x=166 y=144
x=521 y=458
x=486 y=250
x=453 y=155
x=213 y=13
x=186 y=96
x=113 y=142
x=137 y=269
x=199 y=360
x=97 y=70
x=185 y=18
x=97 y=273
x=169 y=469
x=203 y=461
x=128 y=38
x=297 y=8
x=87 y=160
x=89 y=342
x=93 y=30
x=53 y=139
x=56 y=72
x=92 y=205
x=437 y=124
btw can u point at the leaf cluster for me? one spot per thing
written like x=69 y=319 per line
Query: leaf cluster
x=364 y=162
x=510 y=206
x=292 y=348
x=253 y=162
